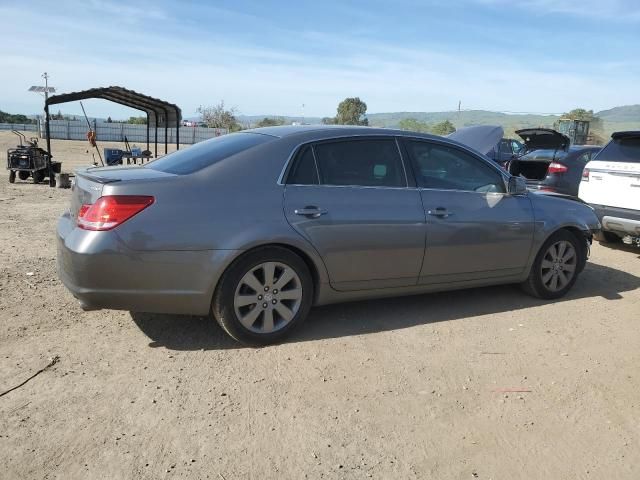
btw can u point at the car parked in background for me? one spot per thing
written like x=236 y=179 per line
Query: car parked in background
x=611 y=185
x=549 y=162
x=505 y=151
x=554 y=170
x=258 y=226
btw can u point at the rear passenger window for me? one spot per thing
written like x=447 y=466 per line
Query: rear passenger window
x=369 y=163
x=304 y=170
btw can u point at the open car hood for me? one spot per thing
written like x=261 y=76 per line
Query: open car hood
x=543 y=138
x=481 y=137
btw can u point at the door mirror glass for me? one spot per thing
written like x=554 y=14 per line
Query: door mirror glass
x=517 y=186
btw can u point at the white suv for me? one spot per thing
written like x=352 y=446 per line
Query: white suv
x=611 y=185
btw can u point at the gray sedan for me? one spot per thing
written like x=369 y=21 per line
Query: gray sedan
x=259 y=226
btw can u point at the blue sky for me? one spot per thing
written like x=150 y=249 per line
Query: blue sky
x=269 y=57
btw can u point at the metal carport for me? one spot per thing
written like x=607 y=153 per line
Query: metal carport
x=159 y=113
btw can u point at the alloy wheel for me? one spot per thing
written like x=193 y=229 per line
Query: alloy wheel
x=558 y=265
x=268 y=297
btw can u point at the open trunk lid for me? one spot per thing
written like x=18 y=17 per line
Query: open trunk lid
x=543 y=139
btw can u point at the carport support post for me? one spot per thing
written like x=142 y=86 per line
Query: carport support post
x=147 y=132
x=166 y=135
x=177 y=133
x=48 y=132
x=156 y=141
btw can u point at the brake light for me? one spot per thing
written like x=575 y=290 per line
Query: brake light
x=555 y=167
x=110 y=211
x=585 y=175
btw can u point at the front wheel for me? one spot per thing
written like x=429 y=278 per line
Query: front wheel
x=263 y=295
x=556 y=266
x=12 y=176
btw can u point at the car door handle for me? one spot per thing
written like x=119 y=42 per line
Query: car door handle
x=310 y=212
x=440 y=212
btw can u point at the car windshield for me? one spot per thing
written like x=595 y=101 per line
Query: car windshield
x=207 y=153
x=621 y=150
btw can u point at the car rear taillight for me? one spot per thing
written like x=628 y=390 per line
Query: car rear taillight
x=110 y=211
x=555 y=167
x=585 y=175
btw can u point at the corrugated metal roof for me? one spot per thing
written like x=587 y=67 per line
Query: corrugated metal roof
x=167 y=114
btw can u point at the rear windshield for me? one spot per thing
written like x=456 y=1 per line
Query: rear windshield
x=621 y=150
x=206 y=153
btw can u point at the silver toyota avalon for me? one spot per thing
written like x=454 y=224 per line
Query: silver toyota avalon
x=259 y=226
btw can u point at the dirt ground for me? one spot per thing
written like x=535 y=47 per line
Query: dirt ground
x=402 y=388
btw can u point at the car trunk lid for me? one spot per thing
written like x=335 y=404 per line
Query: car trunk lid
x=543 y=139
x=90 y=182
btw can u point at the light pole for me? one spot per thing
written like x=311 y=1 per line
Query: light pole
x=46 y=89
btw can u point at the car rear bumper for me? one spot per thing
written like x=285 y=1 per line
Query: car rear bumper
x=622 y=220
x=102 y=272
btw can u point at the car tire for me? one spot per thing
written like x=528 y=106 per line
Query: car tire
x=263 y=296
x=22 y=175
x=607 y=237
x=12 y=176
x=556 y=267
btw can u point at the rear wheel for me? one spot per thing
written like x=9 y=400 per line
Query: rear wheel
x=12 y=176
x=22 y=175
x=607 y=237
x=263 y=296
x=556 y=266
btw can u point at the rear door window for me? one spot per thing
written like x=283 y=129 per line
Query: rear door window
x=621 y=150
x=206 y=153
x=361 y=162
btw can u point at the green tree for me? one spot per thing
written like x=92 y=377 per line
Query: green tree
x=329 y=121
x=352 y=111
x=217 y=116
x=109 y=120
x=414 y=125
x=17 y=118
x=137 y=120
x=443 y=128
x=578 y=114
x=270 y=122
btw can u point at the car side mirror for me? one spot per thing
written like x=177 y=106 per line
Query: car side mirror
x=517 y=186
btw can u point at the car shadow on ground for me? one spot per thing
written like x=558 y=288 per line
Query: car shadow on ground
x=178 y=332
x=623 y=247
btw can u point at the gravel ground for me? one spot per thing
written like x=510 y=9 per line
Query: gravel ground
x=409 y=387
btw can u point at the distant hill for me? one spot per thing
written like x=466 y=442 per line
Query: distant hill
x=627 y=113
x=509 y=122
